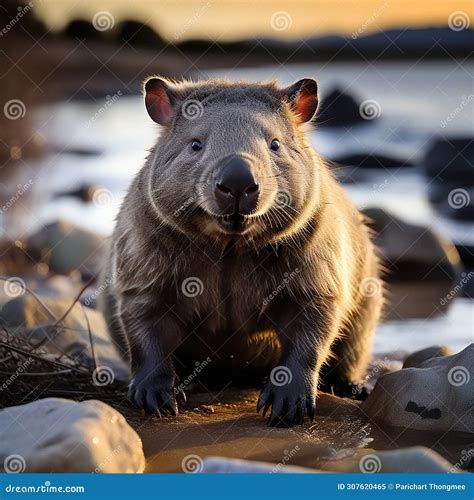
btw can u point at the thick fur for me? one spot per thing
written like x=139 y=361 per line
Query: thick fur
x=298 y=289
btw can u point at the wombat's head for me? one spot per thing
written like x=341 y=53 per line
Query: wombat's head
x=232 y=160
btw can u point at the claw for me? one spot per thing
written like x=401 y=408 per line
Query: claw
x=310 y=408
x=265 y=409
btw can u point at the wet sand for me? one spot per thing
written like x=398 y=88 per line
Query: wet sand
x=226 y=424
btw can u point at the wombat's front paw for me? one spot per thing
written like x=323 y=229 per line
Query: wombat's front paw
x=155 y=394
x=291 y=393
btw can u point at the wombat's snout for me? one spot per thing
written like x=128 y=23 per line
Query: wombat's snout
x=236 y=190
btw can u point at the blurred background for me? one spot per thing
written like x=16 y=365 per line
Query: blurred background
x=395 y=122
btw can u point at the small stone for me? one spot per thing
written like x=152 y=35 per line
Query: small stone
x=417 y=358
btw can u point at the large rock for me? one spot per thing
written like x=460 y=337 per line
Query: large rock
x=421 y=267
x=65 y=247
x=58 y=435
x=27 y=319
x=412 y=252
x=435 y=396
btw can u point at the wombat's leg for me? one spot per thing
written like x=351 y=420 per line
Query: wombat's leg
x=153 y=385
x=344 y=375
x=306 y=333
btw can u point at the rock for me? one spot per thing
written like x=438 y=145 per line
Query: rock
x=370 y=160
x=29 y=320
x=415 y=359
x=448 y=166
x=339 y=109
x=421 y=267
x=212 y=465
x=435 y=396
x=417 y=459
x=412 y=252
x=138 y=34
x=58 y=435
x=65 y=248
x=449 y=161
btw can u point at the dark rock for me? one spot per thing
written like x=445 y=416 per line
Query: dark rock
x=83 y=30
x=412 y=252
x=450 y=161
x=85 y=192
x=371 y=160
x=449 y=166
x=338 y=109
x=136 y=33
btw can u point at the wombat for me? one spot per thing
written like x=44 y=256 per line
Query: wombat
x=236 y=245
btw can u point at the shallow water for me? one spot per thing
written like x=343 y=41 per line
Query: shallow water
x=415 y=100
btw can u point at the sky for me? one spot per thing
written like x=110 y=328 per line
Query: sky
x=236 y=19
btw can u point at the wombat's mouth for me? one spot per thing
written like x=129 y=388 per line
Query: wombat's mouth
x=235 y=223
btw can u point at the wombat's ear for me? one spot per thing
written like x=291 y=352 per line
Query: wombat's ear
x=303 y=98
x=159 y=100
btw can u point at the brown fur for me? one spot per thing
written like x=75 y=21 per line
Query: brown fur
x=289 y=291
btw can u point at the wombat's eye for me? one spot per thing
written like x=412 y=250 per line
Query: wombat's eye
x=275 y=145
x=196 y=144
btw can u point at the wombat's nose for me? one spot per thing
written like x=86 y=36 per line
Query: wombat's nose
x=236 y=189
